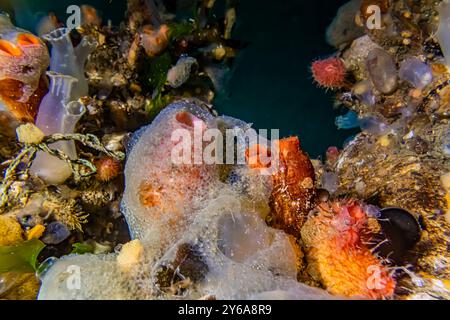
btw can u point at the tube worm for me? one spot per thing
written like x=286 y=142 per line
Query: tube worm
x=58 y=114
x=67 y=60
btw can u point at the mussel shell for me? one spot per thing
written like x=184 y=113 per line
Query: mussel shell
x=402 y=230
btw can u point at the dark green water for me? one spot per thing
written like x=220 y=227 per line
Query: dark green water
x=271 y=85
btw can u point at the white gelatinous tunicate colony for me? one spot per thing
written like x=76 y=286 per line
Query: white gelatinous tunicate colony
x=202 y=231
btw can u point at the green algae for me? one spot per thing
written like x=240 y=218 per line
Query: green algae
x=20 y=258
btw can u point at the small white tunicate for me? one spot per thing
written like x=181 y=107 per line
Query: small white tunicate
x=382 y=70
x=330 y=182
x=181 y=72
x=443 y=33
x=416 y=72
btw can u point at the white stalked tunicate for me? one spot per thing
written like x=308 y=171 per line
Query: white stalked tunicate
x=60 y=110
x=382 y=70
x=181 y=72
x=57 y=114
x=443 y=33
x=67 y=60
x=416 y=72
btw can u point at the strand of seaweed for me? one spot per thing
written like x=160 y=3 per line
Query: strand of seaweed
x=81 y=168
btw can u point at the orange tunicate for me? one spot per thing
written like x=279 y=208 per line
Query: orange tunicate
x=10 y=49
x=153 y=40
x=293 y=184
x=23 y=60
x=25 y=39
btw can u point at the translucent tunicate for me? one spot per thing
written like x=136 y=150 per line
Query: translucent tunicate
x=364 y=91
x=443 y=31
x=382 y=70
x=43 y=268
x=330 y=181
x=416 y=72
x=55 y=233
x=57 y=114
x=70 y=61
x=348 y=121
x=373 y=126
x=240 y=236
x=181 y=72
x=343 y=29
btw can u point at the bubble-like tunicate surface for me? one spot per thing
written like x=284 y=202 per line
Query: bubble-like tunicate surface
x=202 y=233
x=265 y=264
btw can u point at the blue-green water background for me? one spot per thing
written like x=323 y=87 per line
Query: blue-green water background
x=271 y=85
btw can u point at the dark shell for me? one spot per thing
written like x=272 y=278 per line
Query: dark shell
x=189 y=263
x=403 y=232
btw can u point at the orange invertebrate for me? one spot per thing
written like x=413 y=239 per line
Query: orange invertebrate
x=107 y=168
x=11 y=94
x=153 y=40
x=149 y=195
x=293 y=184
x=338 y=256
x=23 y=60
x=293 y=188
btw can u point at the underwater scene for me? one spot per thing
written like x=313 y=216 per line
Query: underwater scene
x=225 y=150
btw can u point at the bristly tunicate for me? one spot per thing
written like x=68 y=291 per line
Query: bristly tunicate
x=416 y=72
x=382 y=70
